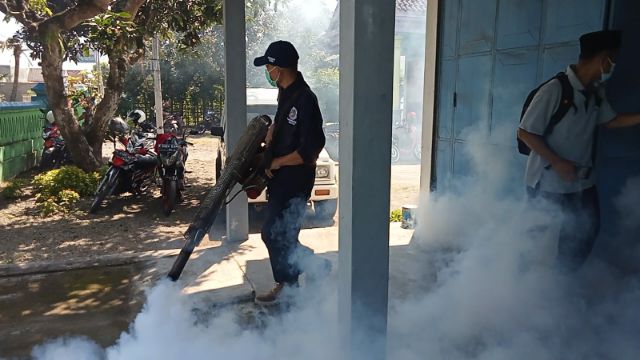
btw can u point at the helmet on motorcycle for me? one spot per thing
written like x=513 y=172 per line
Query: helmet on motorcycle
x=137 y=116
x=50 y=118
x=118 y=126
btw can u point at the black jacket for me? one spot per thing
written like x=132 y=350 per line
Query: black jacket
x=301 y=132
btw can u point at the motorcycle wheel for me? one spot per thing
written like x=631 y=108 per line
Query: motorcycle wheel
x=107 y=186
x=395 y=153
x=46 y=161
x=169 y=196
x=417 y=152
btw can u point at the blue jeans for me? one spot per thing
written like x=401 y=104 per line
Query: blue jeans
x=285 y=214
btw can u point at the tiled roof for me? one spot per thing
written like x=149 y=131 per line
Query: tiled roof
x=411 y=6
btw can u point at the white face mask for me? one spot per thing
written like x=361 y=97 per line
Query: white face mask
x=607 y=75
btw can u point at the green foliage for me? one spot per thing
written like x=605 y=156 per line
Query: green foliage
x=197 y=78
x=68 y=198
x=58 y=190
x=39 y=7
x=14 y=189
x=109 y=29
x=396 y=216
x=55 y=181
x=48 y=207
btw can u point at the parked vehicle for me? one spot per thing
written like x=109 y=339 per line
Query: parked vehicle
x=131 y=169
x=324 y=196
x=54 y=152
x=173 y=123
x=139 y=119
x=405 y=145
x=332 y=145
x=209 y=121
x=172 y=153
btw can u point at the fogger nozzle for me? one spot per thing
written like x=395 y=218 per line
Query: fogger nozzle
x=238 y=168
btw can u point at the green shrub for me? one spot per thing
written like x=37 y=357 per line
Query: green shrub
x=48 y=207
x=14 y=189
x=58 y=190
x=67 y=199
x=51 y=183
x=396 y=216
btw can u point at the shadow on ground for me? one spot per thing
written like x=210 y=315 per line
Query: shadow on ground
x=98 y=303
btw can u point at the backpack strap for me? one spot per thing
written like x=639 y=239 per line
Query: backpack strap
x=566 y=103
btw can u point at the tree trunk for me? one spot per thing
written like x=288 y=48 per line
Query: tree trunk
x=108 y=105
x=17 y=52
x=52 y=58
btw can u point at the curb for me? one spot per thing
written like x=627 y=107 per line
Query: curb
x=44 y=267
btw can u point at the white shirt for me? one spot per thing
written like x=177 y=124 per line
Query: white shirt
x=572 y=138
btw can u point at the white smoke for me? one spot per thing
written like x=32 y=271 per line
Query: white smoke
x=79 y=348
x=496 y=295
x=489 y=290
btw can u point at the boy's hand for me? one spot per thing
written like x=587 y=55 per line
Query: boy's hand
x=275 y=165
x=565 y=169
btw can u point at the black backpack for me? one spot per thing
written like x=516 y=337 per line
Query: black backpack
x=566 y=103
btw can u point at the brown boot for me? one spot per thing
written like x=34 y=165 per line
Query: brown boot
x=271 y=296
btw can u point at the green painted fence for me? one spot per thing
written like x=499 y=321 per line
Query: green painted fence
x=20 y=137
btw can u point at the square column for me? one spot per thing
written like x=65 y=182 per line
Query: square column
x=235 y=109
x=366 y=102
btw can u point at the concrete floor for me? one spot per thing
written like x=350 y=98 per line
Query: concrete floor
x=101 y=302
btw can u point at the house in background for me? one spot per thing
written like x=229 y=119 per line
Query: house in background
x=30 y=72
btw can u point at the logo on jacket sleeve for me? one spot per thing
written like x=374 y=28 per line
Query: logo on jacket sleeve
x=293 y=116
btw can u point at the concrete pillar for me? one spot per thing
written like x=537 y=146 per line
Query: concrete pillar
x=428 y=110
x=366 y=100
x=235 y=109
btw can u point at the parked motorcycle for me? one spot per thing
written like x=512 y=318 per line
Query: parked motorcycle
x=131 y=170
x=173 y=154
x=173 y=123
x=404 y=146
x=54 y=152
x=207 y=123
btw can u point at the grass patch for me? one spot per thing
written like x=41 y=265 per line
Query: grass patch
x=396 y=216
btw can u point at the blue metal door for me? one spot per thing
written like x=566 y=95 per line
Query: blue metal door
x=619 y=150
x=491 y=54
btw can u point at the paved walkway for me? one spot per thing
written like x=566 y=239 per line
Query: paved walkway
x=235 y=272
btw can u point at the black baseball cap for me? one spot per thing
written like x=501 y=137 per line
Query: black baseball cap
x=598 y=41
x=280 y=53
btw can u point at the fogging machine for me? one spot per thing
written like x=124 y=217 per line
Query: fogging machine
x=245 y=166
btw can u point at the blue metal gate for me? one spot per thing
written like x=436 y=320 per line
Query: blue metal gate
x=491 y=54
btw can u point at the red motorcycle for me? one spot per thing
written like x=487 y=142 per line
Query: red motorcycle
x=54 y=151
x=131 y=170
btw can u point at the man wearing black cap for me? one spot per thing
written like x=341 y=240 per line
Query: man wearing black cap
x=294 y=142
x=559 y=168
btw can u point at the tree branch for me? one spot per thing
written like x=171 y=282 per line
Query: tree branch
x=18 y=13
x=74 y=16
x=132 y=7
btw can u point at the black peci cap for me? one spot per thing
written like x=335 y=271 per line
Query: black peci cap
x=279 y=53
x=595 y=42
